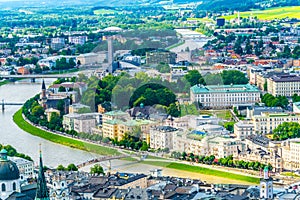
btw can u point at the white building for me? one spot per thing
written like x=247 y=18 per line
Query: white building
x=78 y=39
x=162 y=137
x=25 y=167
x=284 y=85
x=242 y=129
x=224 y=96
x=91 y=58
x=267 y=122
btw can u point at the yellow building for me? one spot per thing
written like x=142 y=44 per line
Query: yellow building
x=117 y=128
x=49 y=112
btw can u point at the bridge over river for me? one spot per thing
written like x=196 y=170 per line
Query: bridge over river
x=3 y=104
x=35 y=76
x=109 y=158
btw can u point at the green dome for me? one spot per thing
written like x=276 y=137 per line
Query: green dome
x=8 y=169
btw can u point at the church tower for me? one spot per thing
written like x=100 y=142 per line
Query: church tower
x=43 y=96
x=41 y=190
x=266 y=185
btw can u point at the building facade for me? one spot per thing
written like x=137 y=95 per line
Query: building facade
x=224 y=96
x=284 y=85
x=162 y=137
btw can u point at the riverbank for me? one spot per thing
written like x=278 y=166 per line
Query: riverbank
x=208 y=172
x=3 y=82
x=76 y=143
x=63 y=140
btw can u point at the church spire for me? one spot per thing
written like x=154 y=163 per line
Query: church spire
x=41 y=190
x=43 y=85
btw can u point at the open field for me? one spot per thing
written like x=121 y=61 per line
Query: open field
x=269 y=14
x=204 y=171
x=24 y=125
x=223 y=114
x=104 y=12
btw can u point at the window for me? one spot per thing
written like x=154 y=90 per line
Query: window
x=3 y=187
x=14 y=186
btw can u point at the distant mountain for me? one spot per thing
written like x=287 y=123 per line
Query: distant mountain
x=214 y=5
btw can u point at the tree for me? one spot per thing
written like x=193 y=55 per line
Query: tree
x=173 y=110
x=266 y=86
x=61 y=168
x=72 y=167
x=287 y=130
x=248 y=48
x=61 y=106
x=233 y=77
x=272 y=101
x=97 y=169
x=55 y=122
x=163 y=68
x=37 y=111
x=194 y=77
x=229 y=126
x=61 y=89
x=145 y=146
x=296 y=98
x=237 y=48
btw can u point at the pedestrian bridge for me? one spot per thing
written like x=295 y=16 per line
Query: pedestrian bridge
x=109 y=158
x=3 y=104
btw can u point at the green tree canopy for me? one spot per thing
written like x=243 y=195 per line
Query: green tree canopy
x=97 y=169
x=287 y=130
x=272 y=101
x=194 y=77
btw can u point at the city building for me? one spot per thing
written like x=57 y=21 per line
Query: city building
x=84 y=123
x=57 y=43
x=258 y=148
x=290 y=154
x=50 y=111
x=79 y=108
x=162 y=137
x=267 y=122
x=224 y=96
x=242 y=129
x=258 y=110
x=81 y=122
x=78 y=39
x=91 y=58
x=116 y=128
x=284 y=85
x=115 y=114
x=25 y=166
x=160 y=56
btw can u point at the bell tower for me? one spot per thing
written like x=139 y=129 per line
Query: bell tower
x=266 y=185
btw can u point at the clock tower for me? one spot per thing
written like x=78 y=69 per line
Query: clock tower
x=266 y=185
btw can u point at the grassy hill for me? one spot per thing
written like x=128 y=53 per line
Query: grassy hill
x=272 y=13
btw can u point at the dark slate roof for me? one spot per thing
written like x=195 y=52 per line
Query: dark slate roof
x=19 y=196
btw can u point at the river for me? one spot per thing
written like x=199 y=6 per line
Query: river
x=53 y=154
